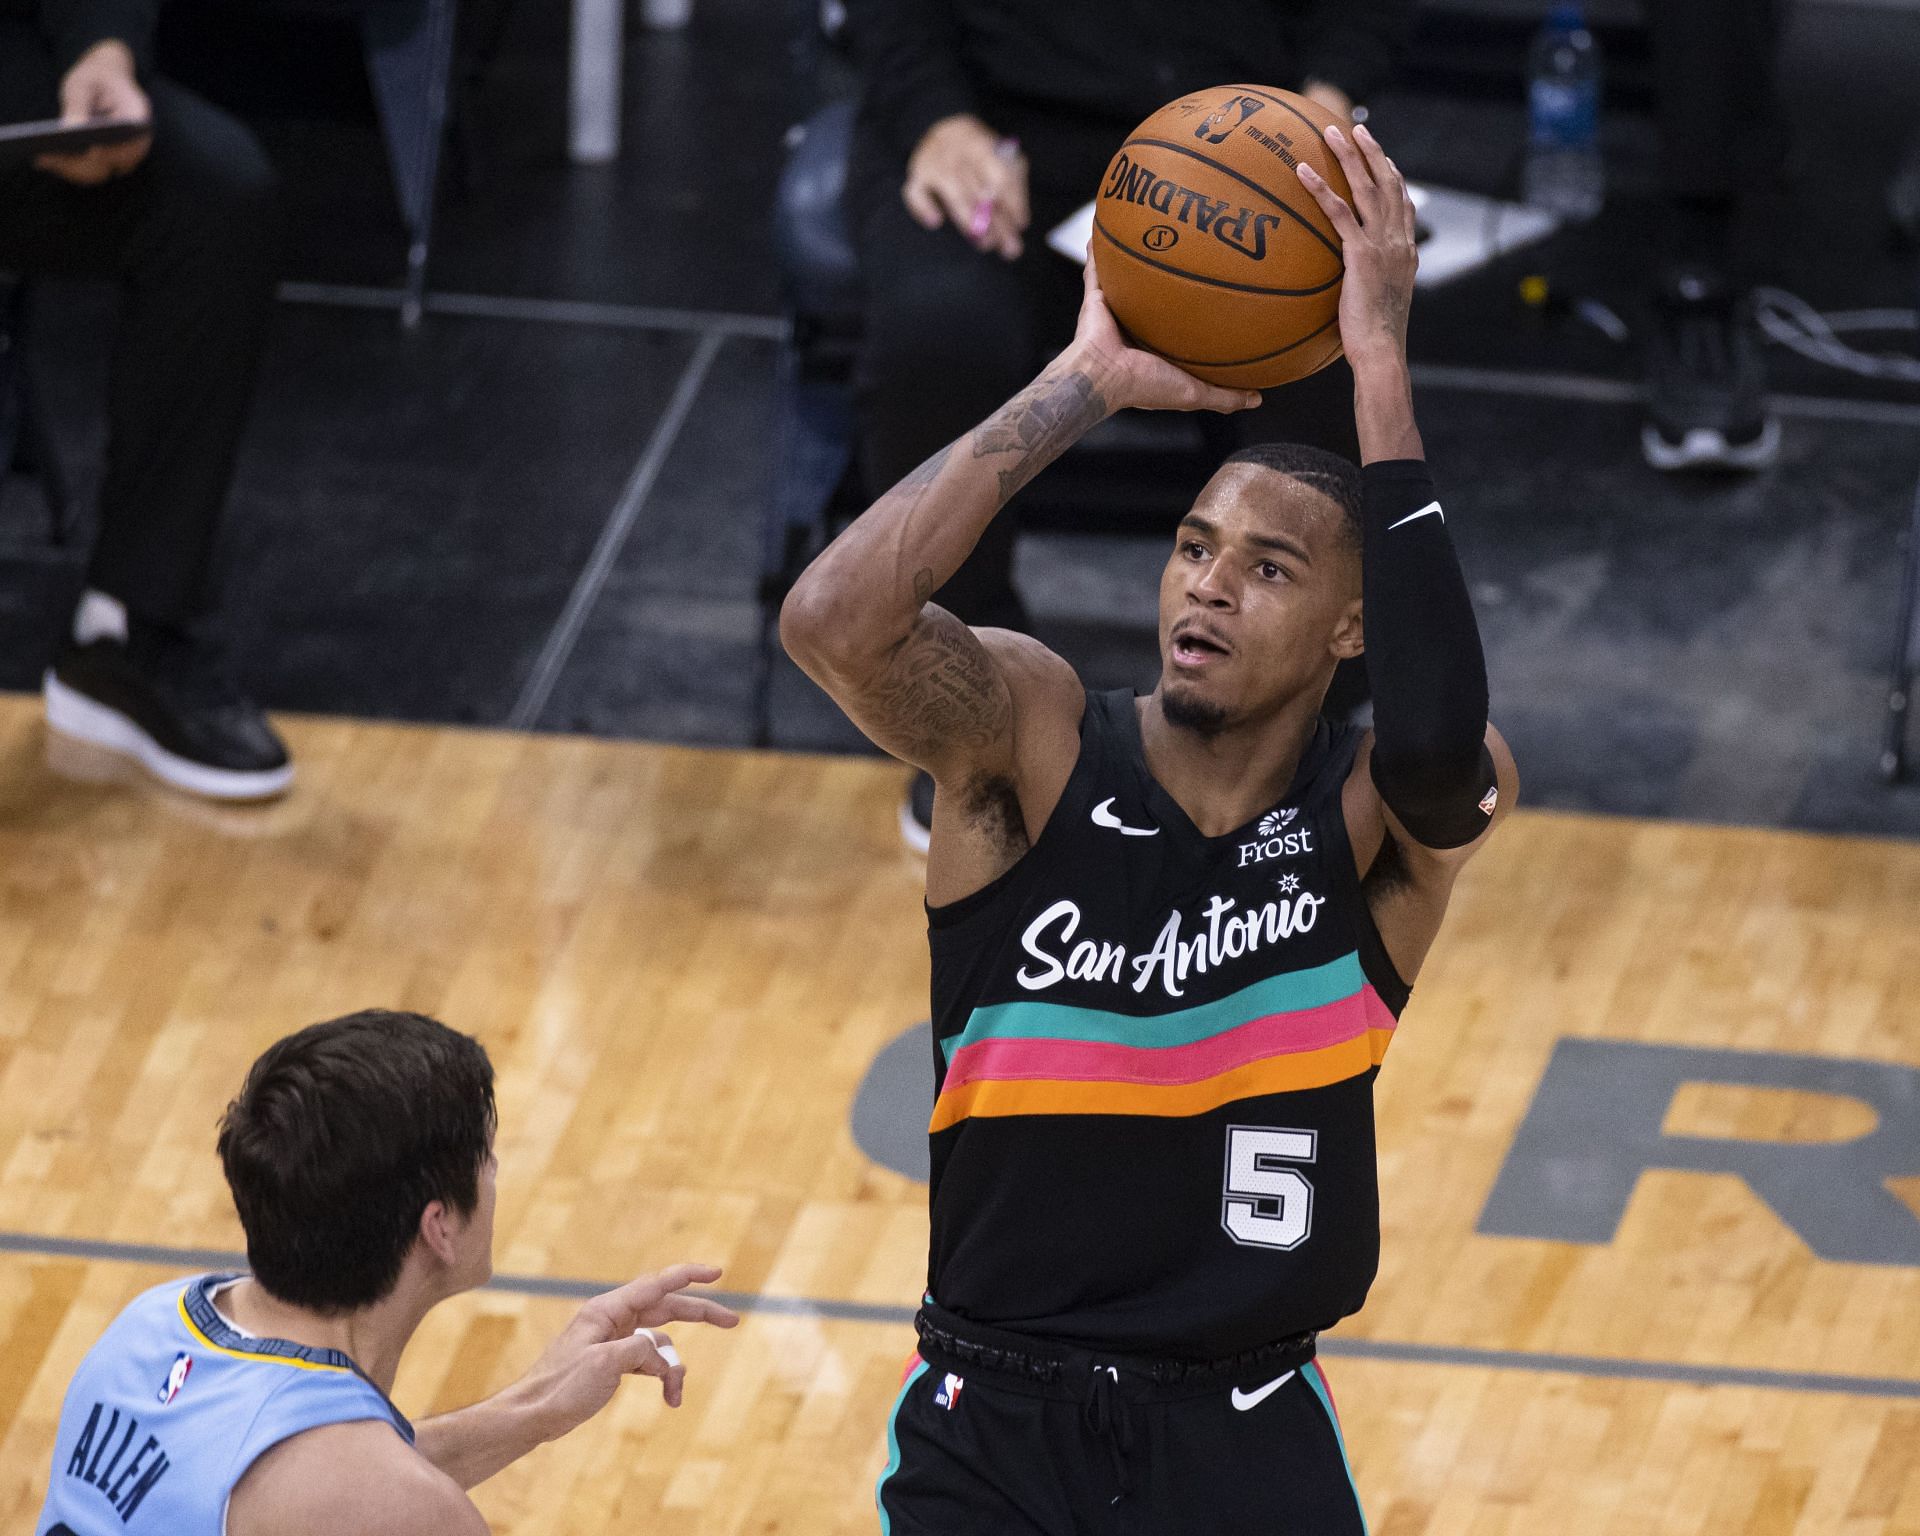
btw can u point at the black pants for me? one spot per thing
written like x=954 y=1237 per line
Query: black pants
x=191 y=237
x=1102 y=1450
x=951 y=333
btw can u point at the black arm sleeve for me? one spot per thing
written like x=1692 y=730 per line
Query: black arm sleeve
x=1424 y=662
x=71 y=27
x=1354 y=43
x=909 y=53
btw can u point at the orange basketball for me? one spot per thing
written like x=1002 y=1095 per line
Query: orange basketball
x=1210 y=251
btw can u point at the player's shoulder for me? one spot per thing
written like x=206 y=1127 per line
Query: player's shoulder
x=351 y=1479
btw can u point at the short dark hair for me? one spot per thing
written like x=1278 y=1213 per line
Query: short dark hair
x=342 y=1134
x=1332 y=476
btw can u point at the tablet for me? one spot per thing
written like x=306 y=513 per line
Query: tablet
x=21 y=143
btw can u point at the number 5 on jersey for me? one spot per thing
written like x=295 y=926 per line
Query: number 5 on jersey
x=1267 y=1204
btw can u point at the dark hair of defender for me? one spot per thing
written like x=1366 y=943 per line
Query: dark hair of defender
x=341 y=1136
x=1336 y=478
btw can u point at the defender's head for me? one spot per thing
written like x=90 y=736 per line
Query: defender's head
x=356 y=1146
x=1262 y=596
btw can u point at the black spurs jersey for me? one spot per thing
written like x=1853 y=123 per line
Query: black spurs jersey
x=1154 y=1056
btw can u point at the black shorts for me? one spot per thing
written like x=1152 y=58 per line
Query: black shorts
x=979 y=1446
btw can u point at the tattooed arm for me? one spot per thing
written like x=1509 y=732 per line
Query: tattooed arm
x=861 y=620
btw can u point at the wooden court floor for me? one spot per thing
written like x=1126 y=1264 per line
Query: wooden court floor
x=683 y=963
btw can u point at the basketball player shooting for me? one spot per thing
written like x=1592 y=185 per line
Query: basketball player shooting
x=1171 y=937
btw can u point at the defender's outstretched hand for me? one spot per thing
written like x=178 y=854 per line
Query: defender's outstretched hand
x=1377 y=232
x=611 y=1336
x=1131 y=377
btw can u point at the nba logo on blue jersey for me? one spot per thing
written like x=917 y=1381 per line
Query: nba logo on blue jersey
x=176 y=1378
x=949 y=1392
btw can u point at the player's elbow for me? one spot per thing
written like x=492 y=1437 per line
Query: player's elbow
x=817 y=630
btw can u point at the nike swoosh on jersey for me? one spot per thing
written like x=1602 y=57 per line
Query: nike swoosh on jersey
x=1103 y=817
x=1245 y=1400
x=1431 y=509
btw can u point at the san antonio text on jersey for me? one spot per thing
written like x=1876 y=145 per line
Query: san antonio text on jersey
x=1154 y=1054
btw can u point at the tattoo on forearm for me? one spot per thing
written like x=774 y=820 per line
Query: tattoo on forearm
x=940 y=691
x=1039 y=424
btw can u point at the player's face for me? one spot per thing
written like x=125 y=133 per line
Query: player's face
x=1260 y=599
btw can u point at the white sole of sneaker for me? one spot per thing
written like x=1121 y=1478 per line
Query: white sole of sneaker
x=912 y=833
x=1704 y=448
x=72 y=714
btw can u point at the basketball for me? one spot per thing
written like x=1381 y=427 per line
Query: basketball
x=1209 y=250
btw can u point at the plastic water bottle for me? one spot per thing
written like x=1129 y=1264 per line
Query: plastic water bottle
x=1564 y=174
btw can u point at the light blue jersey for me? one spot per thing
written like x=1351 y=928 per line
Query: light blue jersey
x=171 y=1407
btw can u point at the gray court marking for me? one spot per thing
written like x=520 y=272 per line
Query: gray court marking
x=640 y=317
x=1595 y=1125
x=484 y=306
x=185 y=1259
x=586 y=590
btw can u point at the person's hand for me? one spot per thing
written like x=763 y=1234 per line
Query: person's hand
x=1129 y=377
x=101 y=84
x=1377 y=238
x=609 y=1337
x=1330 y=96
x=962 y=172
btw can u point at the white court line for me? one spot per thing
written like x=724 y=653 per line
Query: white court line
x=1597 y=391
x=620 y=317
x=710 y=322
x=586 y=590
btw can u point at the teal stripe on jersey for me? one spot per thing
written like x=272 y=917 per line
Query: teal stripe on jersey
x=893 y=1446
x=1313 y=988
x=1311 y=1370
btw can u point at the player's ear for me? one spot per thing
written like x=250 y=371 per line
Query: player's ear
x=437 y=1227
x=1349 y=632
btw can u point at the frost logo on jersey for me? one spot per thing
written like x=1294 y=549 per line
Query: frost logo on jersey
x=1274 y=841
x=1224 y=934
x=176 y=1378
x=948 y=1393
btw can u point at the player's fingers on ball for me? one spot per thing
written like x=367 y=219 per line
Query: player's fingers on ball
x=1332 y=204
x=1359 y=177
x=1385 y=173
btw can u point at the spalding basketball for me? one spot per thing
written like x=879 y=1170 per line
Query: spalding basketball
x=1210 y=251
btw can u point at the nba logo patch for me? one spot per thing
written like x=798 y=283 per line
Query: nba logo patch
x=176 y=1378
x=949 y=1392
x=1489 y=800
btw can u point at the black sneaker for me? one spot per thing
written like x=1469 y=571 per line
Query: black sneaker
x=916 y=812
x=1706 y=384
x=164 y=699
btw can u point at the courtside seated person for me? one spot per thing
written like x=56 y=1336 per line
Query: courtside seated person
x=360 y=1156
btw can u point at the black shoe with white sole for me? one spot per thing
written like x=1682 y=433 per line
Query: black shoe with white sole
x=163 y=699
x=1706 y=383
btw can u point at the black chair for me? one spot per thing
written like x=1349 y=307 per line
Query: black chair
x=1129 y=467
x=25 y=442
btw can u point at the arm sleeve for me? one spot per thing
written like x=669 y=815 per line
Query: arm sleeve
x=1354 y=43
x=1424 y=662
x=71 y=27
x=909 y=53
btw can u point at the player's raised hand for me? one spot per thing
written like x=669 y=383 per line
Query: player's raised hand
x=612 y=1336
x=1377 y=236
x=1130 y=377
